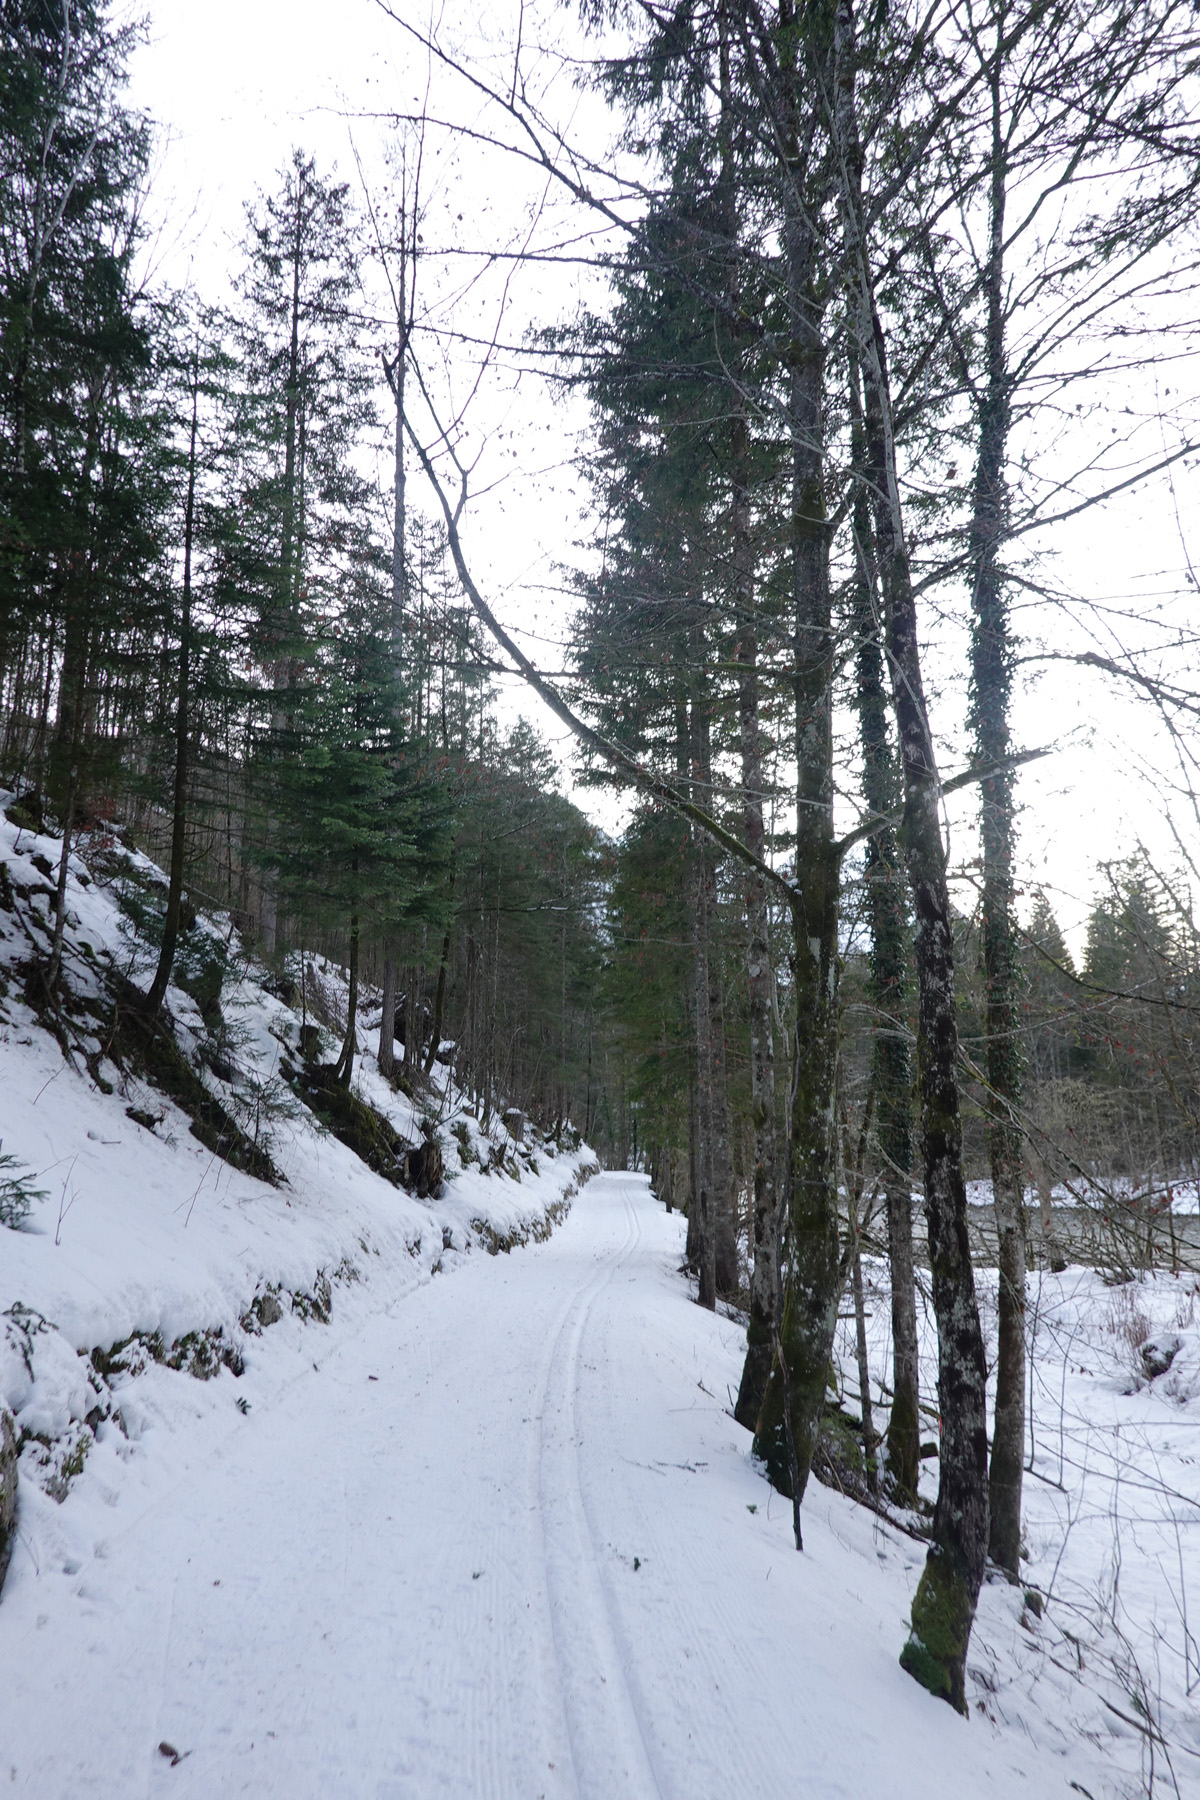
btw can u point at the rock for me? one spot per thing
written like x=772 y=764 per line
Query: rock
x=317 y=1305
x=514 y=1124
x=268 y=1309
x=1157 y=1354
x=423 y=1169
x=8 y=1489
x=26 y=812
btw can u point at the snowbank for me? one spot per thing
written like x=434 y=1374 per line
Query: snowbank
x=137 y=1235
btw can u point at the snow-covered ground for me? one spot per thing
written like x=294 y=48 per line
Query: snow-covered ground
x=1179 y=1195
x=1110 y=1675
x=495 y=1533
x=140 y=1243
x=496 y=1536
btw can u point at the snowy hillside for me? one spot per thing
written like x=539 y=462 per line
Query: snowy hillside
x=141 y=1244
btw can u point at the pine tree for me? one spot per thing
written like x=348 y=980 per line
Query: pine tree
x=81 y=489
x=362 y=833
x=306 y=401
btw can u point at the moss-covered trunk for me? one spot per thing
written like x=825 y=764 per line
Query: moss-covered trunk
x=944 y=1604
x=991 y=693
x=787 y=1427
x=888 y=926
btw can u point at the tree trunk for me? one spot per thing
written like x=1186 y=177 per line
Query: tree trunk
x=387 y=1023
x=706 y=1237
x=77 y=633
x=166 y=958
x=439 y=998
x=715 y=1115
x=345 y=1062
x=411 y=1045
x=701 y=1235
x=904 y=1423
x=764 y=1272
x=721 y=1157
x=787 y=1427
x=67 y=747
x=892 y=1065
x=991 y=691
x=60 y=892
x=870 y=1458
x=944 y=1603
x=692 y=1242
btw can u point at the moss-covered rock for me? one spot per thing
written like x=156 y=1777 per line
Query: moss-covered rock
x=839 y=1461
x=146 y=1042
x=351 y=1120
x=26 y=812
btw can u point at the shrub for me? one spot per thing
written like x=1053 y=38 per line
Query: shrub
x=17 y=1193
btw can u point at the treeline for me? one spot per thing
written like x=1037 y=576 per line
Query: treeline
x=1110 y=1080
x=884 y=264
x=220 y=629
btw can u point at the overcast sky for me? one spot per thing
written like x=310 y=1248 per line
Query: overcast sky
x=236 y=83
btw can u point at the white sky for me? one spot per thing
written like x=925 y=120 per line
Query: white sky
x=238 y=84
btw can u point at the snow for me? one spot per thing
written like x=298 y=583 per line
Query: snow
x=1109 y=1677
x=495 y=1536
x=145 y=1233
x=483 y=1525
x=1176 y=1195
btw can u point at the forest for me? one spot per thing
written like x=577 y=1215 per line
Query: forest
x=878 y=305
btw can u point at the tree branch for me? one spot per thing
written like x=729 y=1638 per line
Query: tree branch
x=981 y=772
x=619 y=759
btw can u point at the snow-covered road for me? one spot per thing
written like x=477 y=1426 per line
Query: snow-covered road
x=499 y=1539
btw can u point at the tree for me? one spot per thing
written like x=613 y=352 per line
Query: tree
x=306 y=398
x=80 y=478
x=362 y=833
x=944 y=1604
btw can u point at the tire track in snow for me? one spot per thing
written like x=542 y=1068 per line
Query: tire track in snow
x=609 y=1747
x=704 y=1624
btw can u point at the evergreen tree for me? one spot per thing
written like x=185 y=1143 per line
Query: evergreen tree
x=306 y=399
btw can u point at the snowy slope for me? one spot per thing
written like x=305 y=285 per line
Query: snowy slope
x=142 y=1231
x=1110 y=1674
